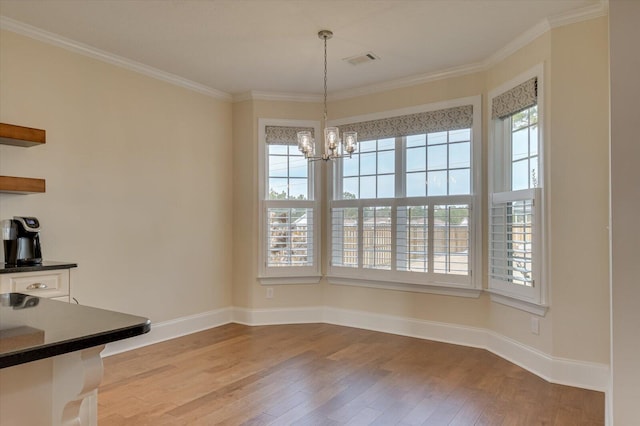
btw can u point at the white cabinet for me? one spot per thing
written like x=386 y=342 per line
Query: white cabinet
x=54 y=284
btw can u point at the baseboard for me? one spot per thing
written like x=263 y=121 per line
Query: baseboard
x=167 y=330
x=563 y=371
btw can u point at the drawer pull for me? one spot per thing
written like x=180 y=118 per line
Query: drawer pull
x=36 y=286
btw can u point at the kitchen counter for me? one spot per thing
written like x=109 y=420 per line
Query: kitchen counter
x=44 y=266
x=50 y=363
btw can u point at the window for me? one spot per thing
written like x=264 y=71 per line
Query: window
x=516 y=221
x=289 y=207
x=402 y=207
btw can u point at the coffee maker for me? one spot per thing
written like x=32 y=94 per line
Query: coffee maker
x=21 y=237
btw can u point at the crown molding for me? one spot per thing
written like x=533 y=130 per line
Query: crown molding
x=589 y=12
x=518 y=43
x=101 y=55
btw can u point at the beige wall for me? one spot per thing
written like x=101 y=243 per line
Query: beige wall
x=137 y=172
x=576 y=90
x=625 y=204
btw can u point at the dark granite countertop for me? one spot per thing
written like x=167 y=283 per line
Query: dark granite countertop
x=44 y=266
x=33 y=328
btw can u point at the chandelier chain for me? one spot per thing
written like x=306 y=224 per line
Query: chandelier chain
x=325 y=81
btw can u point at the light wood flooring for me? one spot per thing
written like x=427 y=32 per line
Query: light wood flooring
x=321 y=374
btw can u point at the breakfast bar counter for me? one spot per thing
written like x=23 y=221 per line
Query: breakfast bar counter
x=50 y=364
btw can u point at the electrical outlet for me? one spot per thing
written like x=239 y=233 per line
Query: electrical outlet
x=535 y=325
x=269 y=292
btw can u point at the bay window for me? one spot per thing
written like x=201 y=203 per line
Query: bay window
x=403 y=209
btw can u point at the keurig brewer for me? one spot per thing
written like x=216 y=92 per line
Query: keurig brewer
x=21 y=237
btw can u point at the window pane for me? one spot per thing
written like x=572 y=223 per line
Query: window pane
x=520 y=175
x=289 y=241
x=520 y=144
x=416 y=159
x=368 y=187
x=520 y=120
x=416 y=184
x=376 y=237
x=437 y=138
x=278 y=149
x=350 y=165
x=533 y=140
x=278 y=166
x=416 y=140
x=386 y=144
x=344 y=237
x=437 y=157
x=386 y=186
x=298 y=189
x=460 y=135
x=367 y=146
x=350 y=188
x=459 y=182
x=298 y=167
x=451 y=239
x=437 y=183
x=460 y=155
x=386 y=162
x=368 y=163
x=533 y=173
x=412 y=238
x=278 y=189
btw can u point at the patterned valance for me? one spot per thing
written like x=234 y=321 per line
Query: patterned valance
x=282 y=135
x=523 y=96
x=413 y=124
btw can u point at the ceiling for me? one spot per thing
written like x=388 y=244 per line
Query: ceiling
x=236 y=46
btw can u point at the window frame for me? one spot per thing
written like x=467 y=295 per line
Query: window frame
x=272 y=275
x=470 y=285
x=532 y=299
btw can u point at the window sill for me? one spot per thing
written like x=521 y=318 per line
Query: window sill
x=418 y=288
x=523 y=305
x=307 y=279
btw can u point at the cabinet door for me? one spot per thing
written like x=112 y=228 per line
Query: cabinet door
x=51 y=284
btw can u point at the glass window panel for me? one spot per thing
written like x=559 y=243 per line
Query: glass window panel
x=459 y=182
x=460 y=135
x=416 y=140
x=520 y=120
x=386 y=162
x=416 y=159
x=533 y=114
x=278 y=149
x=533 y=140
x=534 y=174
x=298 y=167
x=437 y=138
x=278 y=189
x=460 y=155
x=368 y=187
x=293 y=150
x=278 y=166
x=298 y=189
x=367 y=146
x=368 y=163
x=386 y=186
x=389 y=143
x=350 y=165
x=437 y=157
x=520 y=175
x=520 y=144
x=416 y=184
x=437 y=183
x=350 y=188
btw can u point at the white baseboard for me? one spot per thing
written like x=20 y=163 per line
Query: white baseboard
x=167 y=330
x=563 y=371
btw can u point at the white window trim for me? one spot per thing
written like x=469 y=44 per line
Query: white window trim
x=409 y=281
x=535 y=300
x=287 y=274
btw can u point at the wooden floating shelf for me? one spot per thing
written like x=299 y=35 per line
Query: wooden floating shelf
x=21 y=185
x=11 y=134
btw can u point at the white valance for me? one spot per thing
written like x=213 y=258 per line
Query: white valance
x=522 y=96
x=283 y=135
x=413 y=124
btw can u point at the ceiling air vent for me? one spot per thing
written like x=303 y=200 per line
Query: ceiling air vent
x=362 y=59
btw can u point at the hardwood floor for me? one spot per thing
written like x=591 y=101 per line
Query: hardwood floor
x=321 y=374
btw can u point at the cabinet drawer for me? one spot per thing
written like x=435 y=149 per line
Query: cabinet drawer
x=41 y=284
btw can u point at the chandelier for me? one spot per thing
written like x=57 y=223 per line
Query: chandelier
x=334 y=147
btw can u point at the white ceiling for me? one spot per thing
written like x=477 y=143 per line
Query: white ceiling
x=236 y=46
